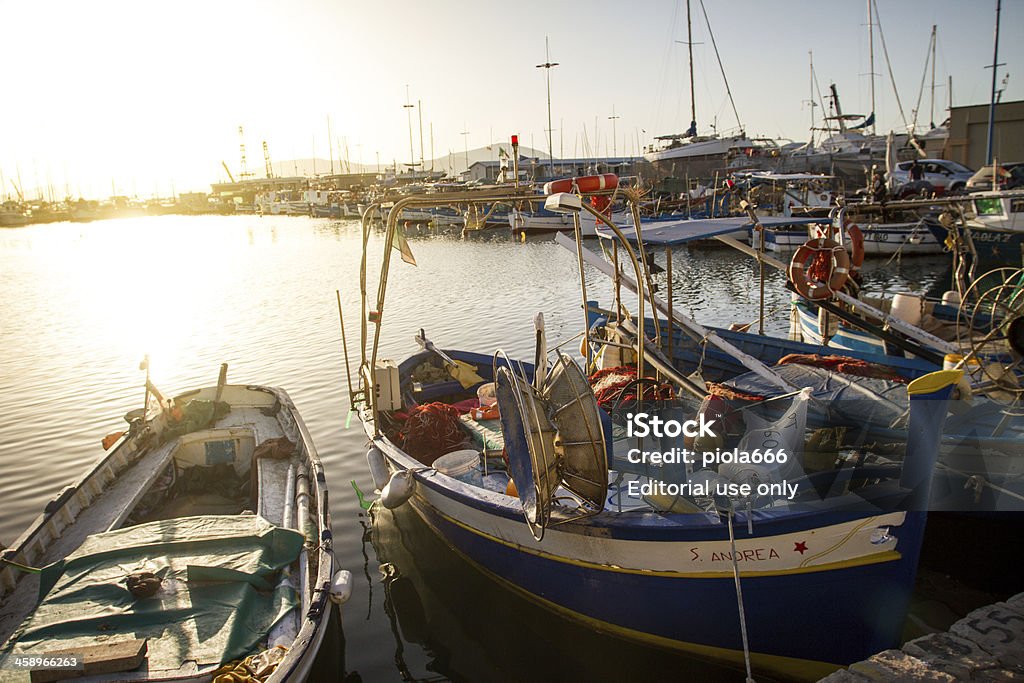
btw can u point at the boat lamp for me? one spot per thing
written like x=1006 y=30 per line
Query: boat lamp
x=563 y=202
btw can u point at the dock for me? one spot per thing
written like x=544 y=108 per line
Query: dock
x=986 y=645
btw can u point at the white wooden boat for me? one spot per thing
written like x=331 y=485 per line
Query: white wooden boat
x=214 y=509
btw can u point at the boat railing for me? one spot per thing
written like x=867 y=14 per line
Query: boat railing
x=372 y=311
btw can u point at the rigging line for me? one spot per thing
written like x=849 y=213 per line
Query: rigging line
x=888 y=64
x=663 y=79
x=722 y=68
x=924 y=76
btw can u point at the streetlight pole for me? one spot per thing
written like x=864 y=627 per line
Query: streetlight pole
x=547 y=66
x=465 y=147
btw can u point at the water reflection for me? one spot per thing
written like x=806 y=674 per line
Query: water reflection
x=81 y=304
x=466 y=626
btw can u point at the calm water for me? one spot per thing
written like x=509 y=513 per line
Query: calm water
x=81 y=304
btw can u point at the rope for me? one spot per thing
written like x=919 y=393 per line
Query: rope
x=21 y=567
x=739 y=594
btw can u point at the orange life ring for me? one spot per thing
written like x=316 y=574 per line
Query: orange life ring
x=857 y=246
x=839 y=273
x=584 y=184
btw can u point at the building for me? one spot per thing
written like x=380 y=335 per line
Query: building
x=540 y=170
x=968 y=134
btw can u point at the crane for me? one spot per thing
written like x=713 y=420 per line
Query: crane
x=228 y=171
x=266 y=160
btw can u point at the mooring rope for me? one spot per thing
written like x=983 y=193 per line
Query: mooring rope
x=739 y=595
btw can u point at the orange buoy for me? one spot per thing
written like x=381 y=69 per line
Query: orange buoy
x=110 y=439
x=584 y=184
x=857 y=246
x=838 y=274
x=511 y=489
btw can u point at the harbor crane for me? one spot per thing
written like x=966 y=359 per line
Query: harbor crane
x=228 y=171
x=266 y=160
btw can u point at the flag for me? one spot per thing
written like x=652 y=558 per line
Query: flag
x=402 y=245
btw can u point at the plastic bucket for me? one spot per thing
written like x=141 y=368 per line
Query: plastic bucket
x=457 y=463
x=907 y=307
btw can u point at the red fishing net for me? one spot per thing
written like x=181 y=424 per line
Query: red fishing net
x=429 y=431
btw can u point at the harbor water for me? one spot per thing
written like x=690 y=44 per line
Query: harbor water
x=82 y=304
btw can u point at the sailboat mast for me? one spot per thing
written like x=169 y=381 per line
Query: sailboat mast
x=932 y=118
x=689 y=45
x=871 y=58
x=810 y=60
x=992 y=102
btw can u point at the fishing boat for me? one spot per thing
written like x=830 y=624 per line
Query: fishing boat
x=856 y=378
x=200 y=543
x=685 y=572
x=991 y=230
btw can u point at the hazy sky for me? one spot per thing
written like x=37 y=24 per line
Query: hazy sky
x=142 y=94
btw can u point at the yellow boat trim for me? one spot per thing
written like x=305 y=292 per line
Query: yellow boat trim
x=877 y=558
x=838 y=543
x=790 y=667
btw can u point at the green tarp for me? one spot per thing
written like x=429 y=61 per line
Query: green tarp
x=219 y=594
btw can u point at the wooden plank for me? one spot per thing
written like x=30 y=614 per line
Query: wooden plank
x=107 y=658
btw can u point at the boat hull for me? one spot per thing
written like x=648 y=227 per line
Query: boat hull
x=879 y=239
x=667 y=580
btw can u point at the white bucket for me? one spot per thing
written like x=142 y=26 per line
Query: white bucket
x=907 y=307
x=457 y=463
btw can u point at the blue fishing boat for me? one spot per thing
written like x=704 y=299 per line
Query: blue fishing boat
x=742 y=579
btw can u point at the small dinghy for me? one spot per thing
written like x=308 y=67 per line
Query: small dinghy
x=198 y=547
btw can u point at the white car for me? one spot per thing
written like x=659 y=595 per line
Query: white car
x=941 y=174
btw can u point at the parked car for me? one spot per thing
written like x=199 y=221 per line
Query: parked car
x=1011 y=176
x=941 y=174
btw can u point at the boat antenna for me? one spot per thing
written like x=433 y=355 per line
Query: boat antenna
x=992 y=102
x=720 y=67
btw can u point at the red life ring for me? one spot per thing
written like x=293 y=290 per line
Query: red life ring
x=590 y=183
x=838 y=274
x=857 y=246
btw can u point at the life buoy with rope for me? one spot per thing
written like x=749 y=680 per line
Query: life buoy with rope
x=837 y=274
x=584 y=184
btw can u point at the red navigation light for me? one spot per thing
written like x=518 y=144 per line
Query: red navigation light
x=515 y=139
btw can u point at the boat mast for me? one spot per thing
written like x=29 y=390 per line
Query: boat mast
x=871 y=63
x=693 y=100
x=547 y=65
x=992 y=102
x=408 y=115
x=932 y=117
x=810 y=59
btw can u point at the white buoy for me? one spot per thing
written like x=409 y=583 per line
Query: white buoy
x=907 y=307
x=398 y=489
x=341 y=587
x=378 y=468
x=951 y=298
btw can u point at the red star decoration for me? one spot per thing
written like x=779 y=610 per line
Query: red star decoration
x=800 y=547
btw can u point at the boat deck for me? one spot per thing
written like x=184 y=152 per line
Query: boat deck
x=112 y=498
